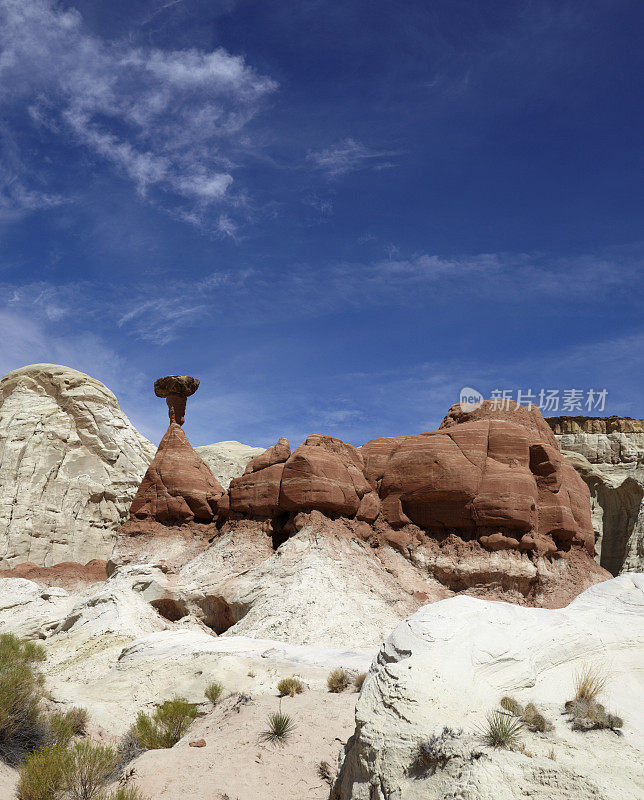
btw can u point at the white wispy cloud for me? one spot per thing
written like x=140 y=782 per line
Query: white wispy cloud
x=165 y=119
x=346 y=156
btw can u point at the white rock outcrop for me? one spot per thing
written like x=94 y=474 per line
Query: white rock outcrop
x=227 y=460
x=608 y=453
x=70 y=464
x=449 y=665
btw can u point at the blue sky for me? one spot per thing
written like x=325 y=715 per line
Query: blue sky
x=335 y=214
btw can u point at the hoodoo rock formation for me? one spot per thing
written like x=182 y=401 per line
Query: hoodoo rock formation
x=608 y=453
x=178 y=496
x=486 y=505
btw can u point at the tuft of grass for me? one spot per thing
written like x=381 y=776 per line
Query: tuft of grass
x=502 y=729
x=22 y=726
x=290 y=687
x=338 y=680
x=590 y=682
x=279 y=729
x=512 y=705
x=165 y=726
x=359 y=680
x=214 y=692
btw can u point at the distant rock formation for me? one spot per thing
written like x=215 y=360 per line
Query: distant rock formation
x=608 y=453
x=70 y=464
x=228 y=460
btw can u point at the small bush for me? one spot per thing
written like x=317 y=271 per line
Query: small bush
x=43 y=773
x=590 y=682
x=129 y=748
x=22 y=727
x=338 y=680
x=437 y=751
x=280 y=727
x=359 y=680
x=502 y=729
x=89 y=769
x=214 y=692
x=512 y=705
x=290 y=687
x=165 y=726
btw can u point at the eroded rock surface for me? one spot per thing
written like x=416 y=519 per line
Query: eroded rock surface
x=449 y=665
x=608 y=453
x=70 y=464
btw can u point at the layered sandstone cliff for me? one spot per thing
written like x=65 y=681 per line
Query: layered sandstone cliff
x=608 y=453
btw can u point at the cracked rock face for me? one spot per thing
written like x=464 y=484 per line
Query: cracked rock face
x=608 y=453
x=70 y=464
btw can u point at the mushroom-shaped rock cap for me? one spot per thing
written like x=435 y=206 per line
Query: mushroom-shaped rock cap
x=176 y=384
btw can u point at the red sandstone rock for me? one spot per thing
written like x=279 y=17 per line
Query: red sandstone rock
x=178 y=486
x=326 y=474
x=176 y=389
x=197 y=743
x=277 y=454
x=369 y=507
x=257 y=493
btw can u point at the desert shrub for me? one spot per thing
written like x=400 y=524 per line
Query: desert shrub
x=43 y=773
x=22 y=727
x=437 y=751
x=280 y=727
x=165 y=726
x=290 y=686
x=214 y=692
x=512 y=705
x=359 y=680
x=90 y=767
x=338 y=680
x=502 y=729
x=61 y=729
x=590 y=682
